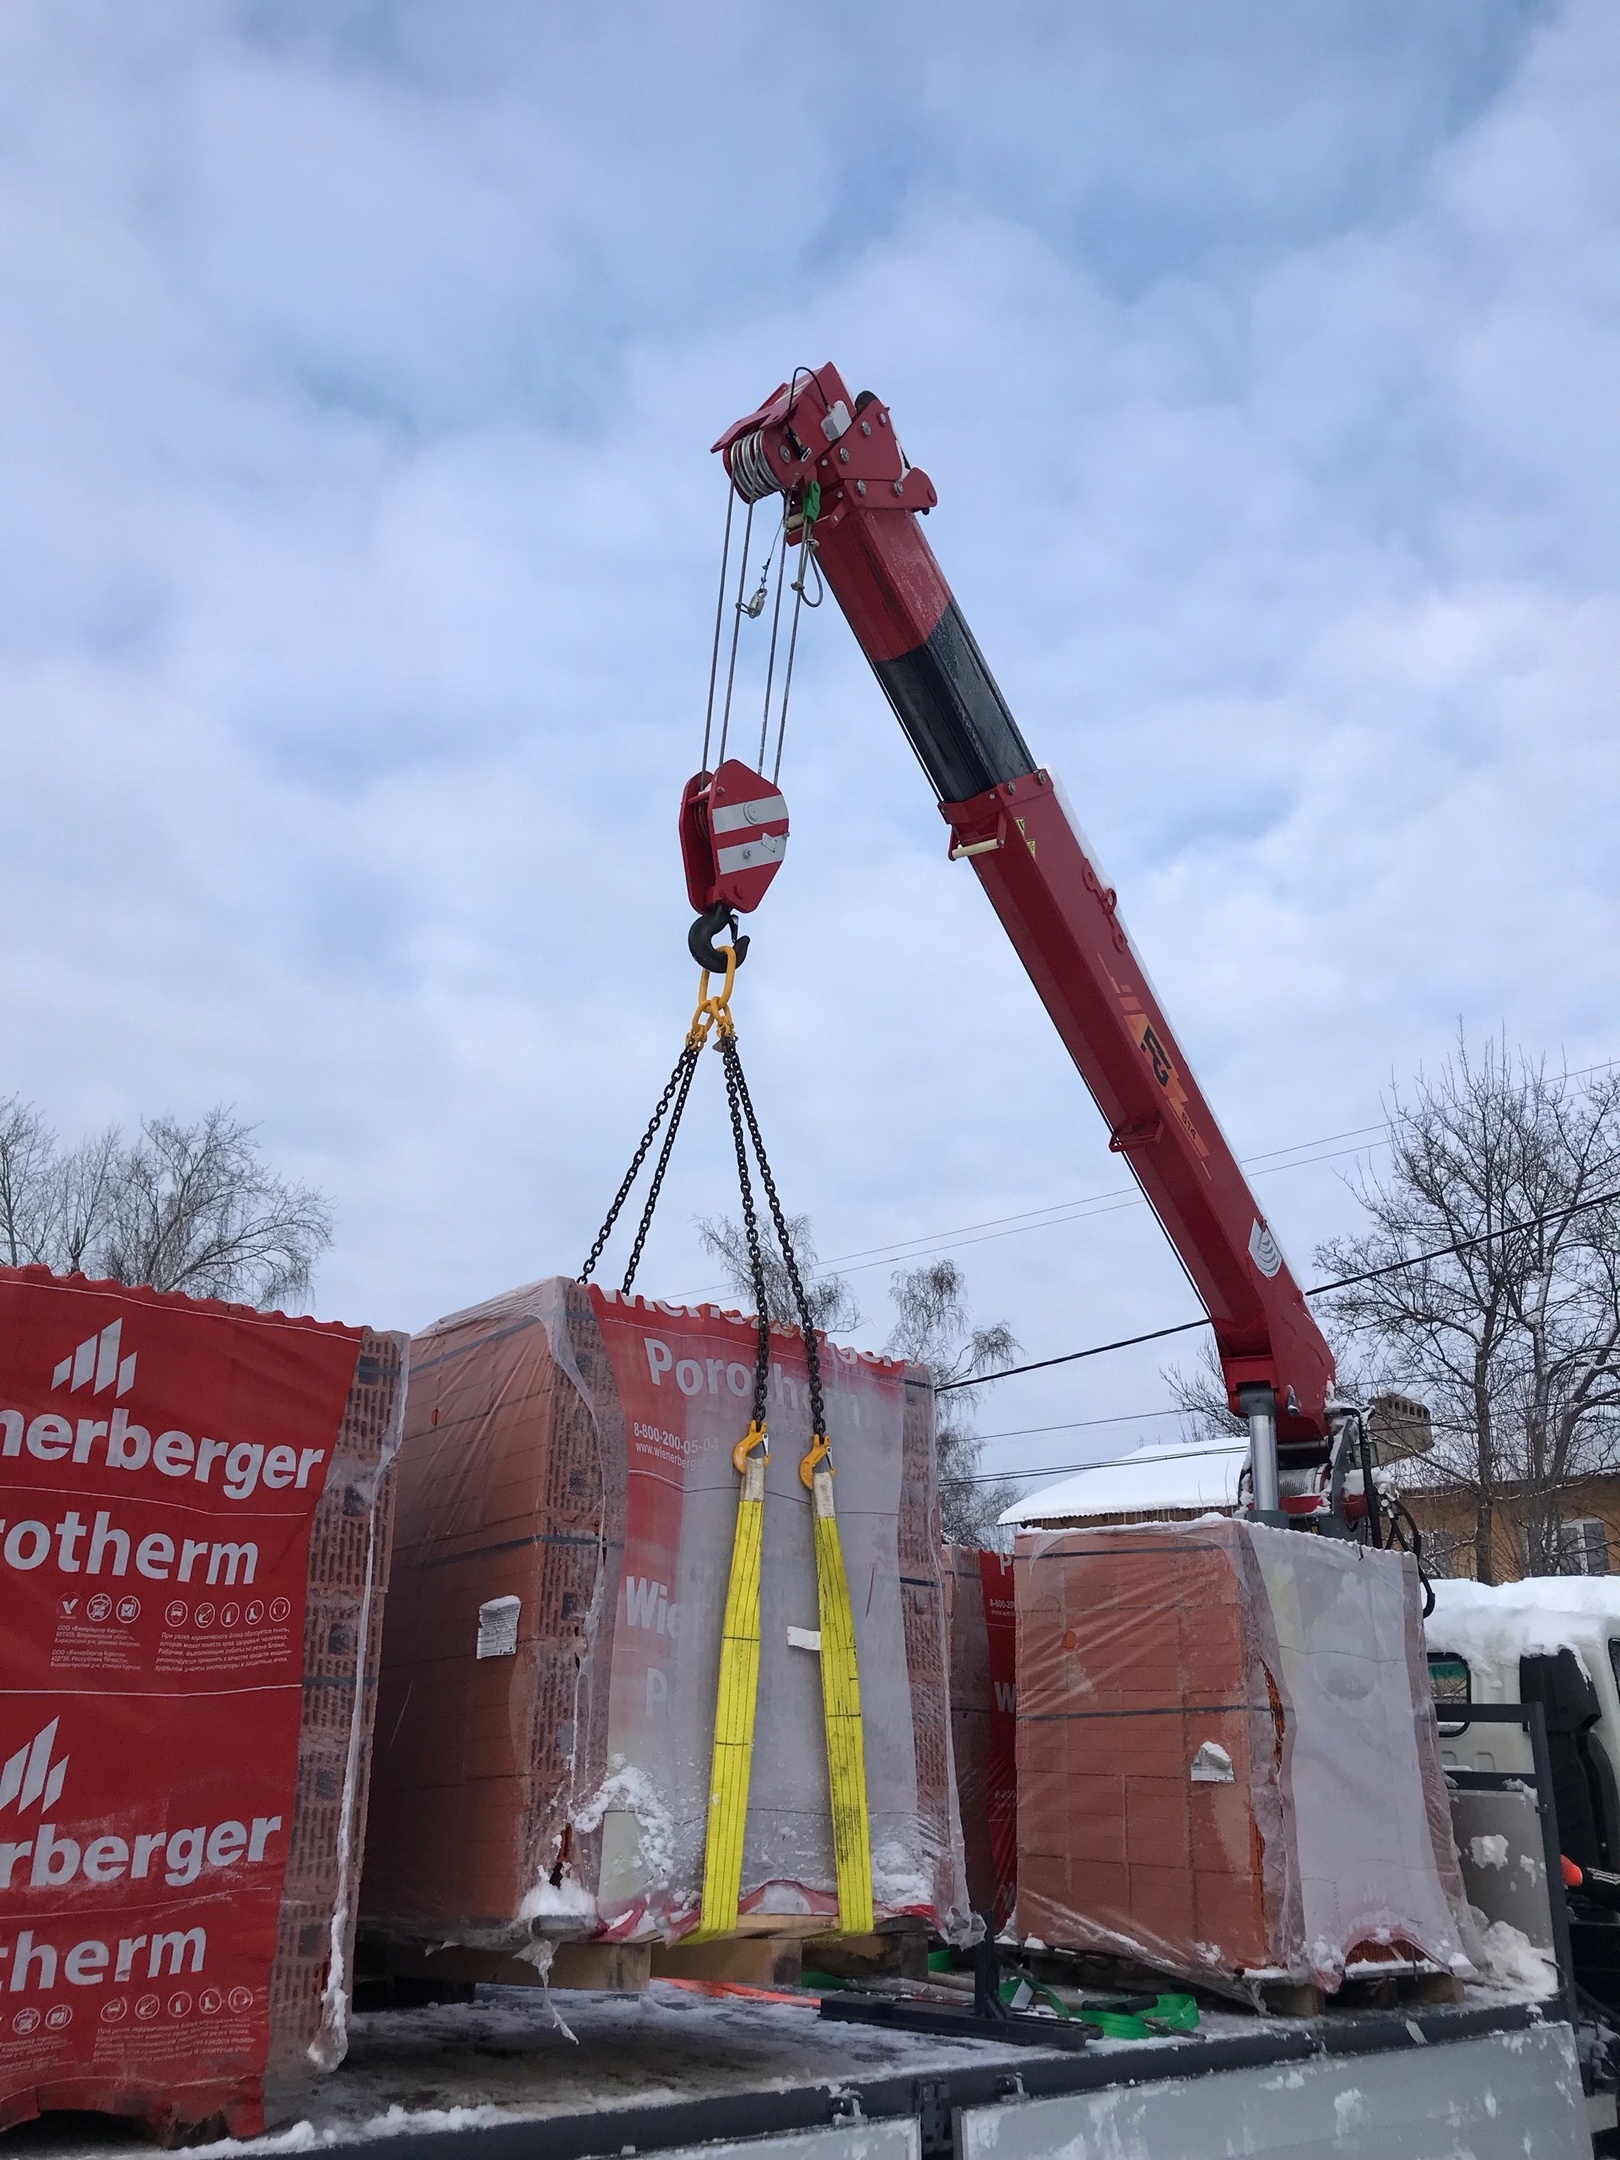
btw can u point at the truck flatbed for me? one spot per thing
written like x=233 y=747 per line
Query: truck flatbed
x=518 y=2075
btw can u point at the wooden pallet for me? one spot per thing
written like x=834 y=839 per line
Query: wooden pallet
x=399 y=1975
x=395 y=1974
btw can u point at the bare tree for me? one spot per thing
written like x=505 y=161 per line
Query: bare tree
x=29 y=1192
x=181 y=1207
x=831 y=1305
x=1515 y=1342
x=1200 y=1396
x=933 y=1328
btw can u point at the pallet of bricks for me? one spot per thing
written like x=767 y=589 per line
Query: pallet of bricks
x=195 y=1554
x=566 y=1514
x=982 y=1627
x=1228 y=1770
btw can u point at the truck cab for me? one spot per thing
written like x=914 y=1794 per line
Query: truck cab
x=1554 y=1640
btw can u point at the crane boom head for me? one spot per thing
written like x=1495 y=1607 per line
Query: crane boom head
x=811 y=433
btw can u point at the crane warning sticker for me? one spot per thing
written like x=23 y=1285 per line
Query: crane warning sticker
x=160 y=1466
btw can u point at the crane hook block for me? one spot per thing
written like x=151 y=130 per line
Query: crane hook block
x=734 y=832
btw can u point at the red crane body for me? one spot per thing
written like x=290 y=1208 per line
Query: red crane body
x=838 y=459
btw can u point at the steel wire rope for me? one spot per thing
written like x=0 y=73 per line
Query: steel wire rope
x=801 y=601
x=736 y=632
x=1195 y=1450
x=776 y=623
x=719 y=619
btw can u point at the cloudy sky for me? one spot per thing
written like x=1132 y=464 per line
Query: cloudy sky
x=358 y=367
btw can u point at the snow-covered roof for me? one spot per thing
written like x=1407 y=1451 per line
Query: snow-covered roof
x=1493 y=1625
x=1181 y=1476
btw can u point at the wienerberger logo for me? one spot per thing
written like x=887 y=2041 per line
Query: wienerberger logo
x=100 y=1367
x=116 y=1441
x=30 y=1776
x=52 y=1858
x=97 y=1365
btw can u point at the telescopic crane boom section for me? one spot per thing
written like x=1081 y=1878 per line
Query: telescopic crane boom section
x=838 y=458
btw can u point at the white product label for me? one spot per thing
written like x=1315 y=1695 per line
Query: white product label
x=498 y=1626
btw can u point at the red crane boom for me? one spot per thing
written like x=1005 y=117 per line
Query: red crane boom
x=838 y=458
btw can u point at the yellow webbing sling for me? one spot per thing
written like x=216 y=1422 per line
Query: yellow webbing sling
x=737 y=1692
x=840 y=1703
x=737 y=1696
x=735 y=1700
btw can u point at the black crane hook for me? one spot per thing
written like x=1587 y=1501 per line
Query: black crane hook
x=700 y=938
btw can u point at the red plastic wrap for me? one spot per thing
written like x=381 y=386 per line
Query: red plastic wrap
x=193 y=1554
x=984 y=1697
x=566 y=1512
x=1227 y=1766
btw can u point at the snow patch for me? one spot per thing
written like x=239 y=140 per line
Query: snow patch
x=303 y=2137
x=565 y=1900
x=1493 y=1625
x=1513 y=1961
x=897 y=1880
x=1489 y=1851
x=629 y=1791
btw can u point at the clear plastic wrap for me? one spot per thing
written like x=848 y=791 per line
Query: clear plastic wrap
x=1226 y=1757
x=571 y=1449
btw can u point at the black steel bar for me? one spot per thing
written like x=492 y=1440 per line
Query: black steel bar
x=943 y=2021
x=1532 y=1719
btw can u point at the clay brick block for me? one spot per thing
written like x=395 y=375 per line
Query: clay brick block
x=1043 y=1795
x=1098 y=1890
x=1093 y=1816
x=1229 y=1913
x=1089 y=1744
x=1178 y=1655
x=1151 y=1740
x=1044 y=1878
x=1161 y=1904
x=1212 y=1660
x=1222 y=1826
x=1157 y=1830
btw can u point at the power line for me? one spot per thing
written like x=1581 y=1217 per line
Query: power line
x=1131 y=1193
x=1133 y=1461
x=1084 y=1212
x=1345 y=1282
x=1061 y=1211
x=1530 y=1222
x=1125 y=1417
x=860 y=1261
x=1069 y=1357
